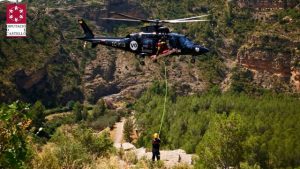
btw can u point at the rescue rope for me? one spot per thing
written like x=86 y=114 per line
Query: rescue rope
x=165 y=101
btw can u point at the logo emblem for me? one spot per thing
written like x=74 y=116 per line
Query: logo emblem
x=16 y=14
x=133 y=45
x=16 y=20
x=197 y=49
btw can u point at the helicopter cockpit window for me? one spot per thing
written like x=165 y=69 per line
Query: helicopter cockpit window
x=185 y=42
x=147 y=43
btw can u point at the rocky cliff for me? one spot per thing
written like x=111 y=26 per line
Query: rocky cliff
x=51 y=65
x=114 y=71
x=273 y=57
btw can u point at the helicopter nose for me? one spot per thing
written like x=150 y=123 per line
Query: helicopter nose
x=201 y=49
x=204 y=50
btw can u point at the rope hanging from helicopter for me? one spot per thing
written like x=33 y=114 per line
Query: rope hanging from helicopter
x=165 y=99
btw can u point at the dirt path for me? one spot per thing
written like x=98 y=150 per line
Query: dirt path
x=117 y=133
x=171 y=158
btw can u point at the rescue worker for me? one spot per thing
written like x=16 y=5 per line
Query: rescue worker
x=161 y=47
x=155 y=147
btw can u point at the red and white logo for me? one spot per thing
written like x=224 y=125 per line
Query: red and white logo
x=16 y=20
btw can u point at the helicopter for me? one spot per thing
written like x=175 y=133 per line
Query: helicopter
x=145 y=43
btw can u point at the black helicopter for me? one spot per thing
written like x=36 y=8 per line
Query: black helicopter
x=145 y=42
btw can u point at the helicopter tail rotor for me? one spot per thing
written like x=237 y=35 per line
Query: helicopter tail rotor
x=87 y=31
x=88 y=34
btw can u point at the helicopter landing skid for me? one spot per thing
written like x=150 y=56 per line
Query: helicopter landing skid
x=141 y=58
x=193 y=60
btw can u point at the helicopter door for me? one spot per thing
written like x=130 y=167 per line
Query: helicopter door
x=174 y=42
x=148 y=45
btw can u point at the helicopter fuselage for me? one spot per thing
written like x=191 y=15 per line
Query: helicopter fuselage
x=145 y=43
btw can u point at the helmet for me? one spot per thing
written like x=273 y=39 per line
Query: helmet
x=155 y=135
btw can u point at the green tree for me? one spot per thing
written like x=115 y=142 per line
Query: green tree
x=77 y=109
x=85 y=113
x=99 y=109
x=128 y=129
x=38 y=114
x=14 y=146
x=221 y=146
x=103 y=145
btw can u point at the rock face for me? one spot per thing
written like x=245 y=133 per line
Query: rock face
x=124 y=146
x=170 y=157
x=26 y=82
x=114 y=71
x=39 y=85
x=273 y=59
x=295 y=78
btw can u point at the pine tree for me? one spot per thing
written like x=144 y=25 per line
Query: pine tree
x=77 y=109
x=128 y=129
x=38 y=114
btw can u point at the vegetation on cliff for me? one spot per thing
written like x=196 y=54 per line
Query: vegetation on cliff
x=49 y=60
x=225 y=129
x=24 y=145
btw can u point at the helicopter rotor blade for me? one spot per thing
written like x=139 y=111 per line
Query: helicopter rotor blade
x=183 y=21
x=156 y=21
x=119 y=19
x=194 y=17
x=126 y=16
x=132 y=17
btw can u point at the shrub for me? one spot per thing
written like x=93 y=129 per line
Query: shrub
x=72 y=154
x=70 y=104
x=145 y=163
x=77 y=109
x=47 y=159
x=99 y=108
x=102 y=122
x=85 y=113
x=131 y=157
x=105 y=162
x=52 y=125
x=73 y=147
x=100 y=145
x=182 y=166
x=69 y=151
x=103 y=144
x=128 y=129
